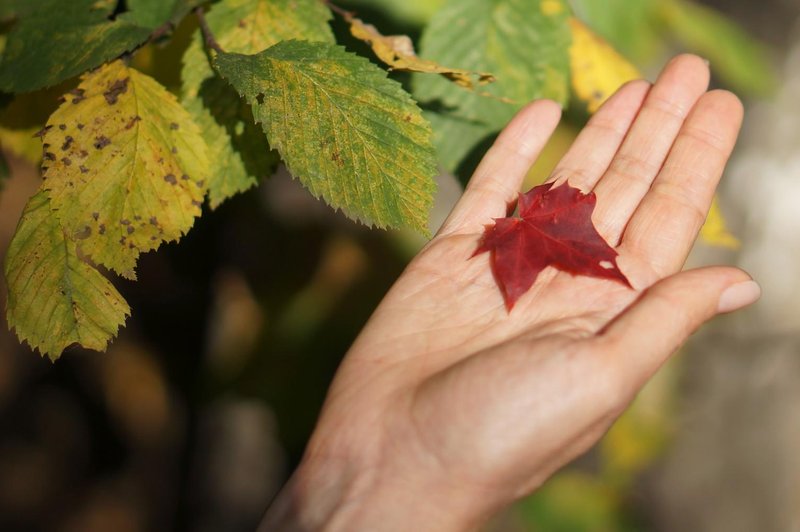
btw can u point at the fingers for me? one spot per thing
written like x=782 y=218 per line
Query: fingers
x=594 y=149
x=666 y=223
x=496 y=182
x=638 y=342
x=642 y=154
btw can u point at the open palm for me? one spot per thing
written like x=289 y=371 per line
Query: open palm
x=448 y=407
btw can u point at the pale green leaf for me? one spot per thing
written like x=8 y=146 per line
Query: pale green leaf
x=352 y=136
x=238 y=151
x=55 y=299
x=125 y=166
x=414 y=12
x=61 y=39
x=523 y=43
x=741 y=61
x=455 y=137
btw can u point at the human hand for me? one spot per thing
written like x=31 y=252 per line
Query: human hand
x=448 y=407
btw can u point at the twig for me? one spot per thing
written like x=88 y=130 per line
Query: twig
x=211 y=42
x=336 y=9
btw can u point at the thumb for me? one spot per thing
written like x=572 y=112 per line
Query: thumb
x=641 y=339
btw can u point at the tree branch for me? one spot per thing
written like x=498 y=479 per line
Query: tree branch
x=211 y=42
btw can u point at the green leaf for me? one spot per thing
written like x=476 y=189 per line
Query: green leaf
x=238 y=149
x=125 y=166
x=523 y=43
x=455 y=137
x=154 y=13
x=60 y=39
x=740 y=61
x=55 y=299
x=350 y=135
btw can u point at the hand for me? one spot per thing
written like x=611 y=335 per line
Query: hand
x=448 y=407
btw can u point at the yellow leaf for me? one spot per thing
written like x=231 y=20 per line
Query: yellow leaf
x=56 y=299
x=715 y=232
x=597 y=69
x=397 y=51
x=124 y=165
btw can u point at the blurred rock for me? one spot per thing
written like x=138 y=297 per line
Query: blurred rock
x=238 y=466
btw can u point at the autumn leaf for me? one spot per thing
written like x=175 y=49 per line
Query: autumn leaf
x=397 y=51
x=351 y=135
x=238 y=150
x=56 y=299
x=124 y=166
x=554 y=228
x=597 y=69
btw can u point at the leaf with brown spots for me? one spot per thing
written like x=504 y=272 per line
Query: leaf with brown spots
x=119 y=160
x=56 y=299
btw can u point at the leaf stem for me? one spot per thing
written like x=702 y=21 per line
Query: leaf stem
x=208 y=35
x=336 y=9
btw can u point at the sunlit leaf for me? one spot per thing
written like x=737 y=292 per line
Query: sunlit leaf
x=58 y=40
x=238 y=150
x=524 y=44
x=397 y=51
x=125 y=166
x=352 y=136
x=56 y=299
x=597 y=69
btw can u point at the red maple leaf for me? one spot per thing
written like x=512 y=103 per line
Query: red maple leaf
x=554 y=228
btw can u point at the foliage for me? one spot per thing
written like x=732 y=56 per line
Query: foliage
x=127 y=165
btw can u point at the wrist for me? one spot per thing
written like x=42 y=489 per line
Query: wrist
x=333 y=496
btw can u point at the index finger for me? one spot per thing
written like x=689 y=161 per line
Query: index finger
x=497 y=180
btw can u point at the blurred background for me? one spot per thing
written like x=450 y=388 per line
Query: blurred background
x=201 y=408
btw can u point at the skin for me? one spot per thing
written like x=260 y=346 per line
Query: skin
x=448 y=408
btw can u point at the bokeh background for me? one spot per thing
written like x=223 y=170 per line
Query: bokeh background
x=196 y=415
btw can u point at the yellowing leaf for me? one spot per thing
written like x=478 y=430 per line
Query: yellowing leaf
x=55 y=299
x=238 y=150
x=397 y=51
x=349 y=134
x=715 y=232
x=125 y=166
x=597 y=69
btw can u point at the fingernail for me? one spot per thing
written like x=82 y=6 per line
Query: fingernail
x=738 y=296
